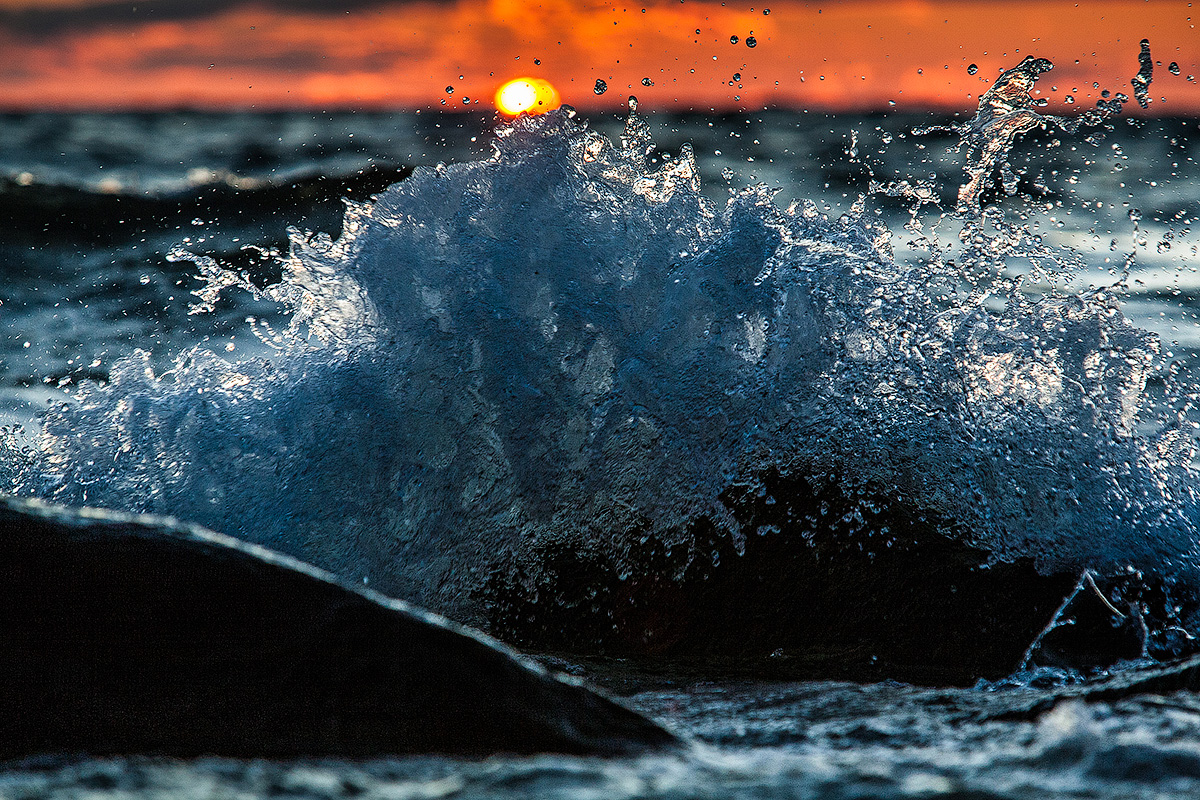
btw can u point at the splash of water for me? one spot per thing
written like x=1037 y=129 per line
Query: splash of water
x=1005 y=111
x=1008 y=109
x=564 y=343
x=1145 y=74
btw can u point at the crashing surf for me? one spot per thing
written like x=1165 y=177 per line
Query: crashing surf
x=562 y=377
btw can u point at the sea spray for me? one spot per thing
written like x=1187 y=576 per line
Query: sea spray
x=565 y=343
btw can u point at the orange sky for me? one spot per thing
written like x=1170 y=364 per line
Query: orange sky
x=853 y=55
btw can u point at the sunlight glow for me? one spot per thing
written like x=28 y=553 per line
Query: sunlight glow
x=528 y=95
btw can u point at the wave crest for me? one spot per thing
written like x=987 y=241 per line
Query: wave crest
x=567 y=343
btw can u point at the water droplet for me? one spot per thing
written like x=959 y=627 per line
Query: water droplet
x=751 y=41
x=1173 y=68
x=633 y=104
x=1141 y=81
x=537 y=62
x=601 y=87
x=449 y=90
x=737 y=76
x=733 y=39
x=647 y=82
x=1069 y=99
x=971 y=70
x=766 y=12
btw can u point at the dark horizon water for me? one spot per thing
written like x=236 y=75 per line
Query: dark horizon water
x=101 y=211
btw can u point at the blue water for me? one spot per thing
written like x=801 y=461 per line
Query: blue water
x=568 y=334
x=566 y=339
x=759 y=741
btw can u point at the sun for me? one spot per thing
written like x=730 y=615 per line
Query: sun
x=527 y=95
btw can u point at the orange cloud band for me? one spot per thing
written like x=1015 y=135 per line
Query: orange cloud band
x=862 y=55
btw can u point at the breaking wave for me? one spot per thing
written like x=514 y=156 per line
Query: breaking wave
x=566 y=342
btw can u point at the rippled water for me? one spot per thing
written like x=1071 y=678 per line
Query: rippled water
x=754 y=740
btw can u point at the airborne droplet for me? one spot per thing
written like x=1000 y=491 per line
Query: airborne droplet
x=1141 y=81
x=1173 y=68
x=733 y=39
x=449 y=90
x=601 y=87
x=971 y=70
x=647 y=82
x=751 y=41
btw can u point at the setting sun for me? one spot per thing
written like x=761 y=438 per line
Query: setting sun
x=529 y=95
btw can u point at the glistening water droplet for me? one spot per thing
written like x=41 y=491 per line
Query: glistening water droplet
x=1141 y=81
x=601 y=87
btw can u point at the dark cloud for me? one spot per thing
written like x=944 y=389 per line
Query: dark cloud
x=50 y=21
x=295 y=61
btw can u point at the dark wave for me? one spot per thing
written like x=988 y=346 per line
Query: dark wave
x=99 y=215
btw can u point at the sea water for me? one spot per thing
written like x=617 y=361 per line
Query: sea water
x=584 y=338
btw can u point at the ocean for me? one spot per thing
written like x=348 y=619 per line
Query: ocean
x=698 y=407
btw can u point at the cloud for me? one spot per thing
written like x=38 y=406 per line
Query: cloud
x=867 y=54
x=50 y=18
